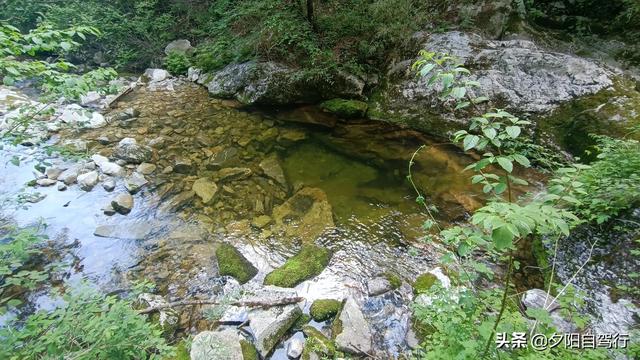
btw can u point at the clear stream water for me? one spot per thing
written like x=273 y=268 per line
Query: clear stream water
x=360 y=165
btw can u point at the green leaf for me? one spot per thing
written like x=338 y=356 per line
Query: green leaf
x=489 y=132
x=500 y=188
x=458 y=92
x=522 y=160
x=513 y=131
x=470 y=141
x=502 y=237
x=505 y=163
x=427 y=69
x=447 y=80
x=463 y=105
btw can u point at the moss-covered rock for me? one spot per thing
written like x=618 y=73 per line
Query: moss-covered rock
x=345 y=108
x=307 y=263
x=393 y=279
x=424 y=282
x=231 y=262
x=608 y=112
x=249 y=351
x=324 y=309
x=301 y=322
x=316 y=343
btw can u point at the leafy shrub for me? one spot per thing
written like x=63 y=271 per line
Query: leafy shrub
x=611 y=183
x=88 y=326
x=177 y=63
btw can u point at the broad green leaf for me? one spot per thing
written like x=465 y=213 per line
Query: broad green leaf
x=470 y=141
x=513 y=131
x=505 y=163
x=522 y=160
x=458 y=92
x=489 y=132
x=427 y=69
x=502 y=237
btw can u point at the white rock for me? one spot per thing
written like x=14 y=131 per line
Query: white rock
x=156 y=75
x=88 y=181
x=89 y=98
x=294 y=348
x=111 y=169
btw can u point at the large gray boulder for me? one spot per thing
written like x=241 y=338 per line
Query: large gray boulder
x=270 y=83
x=181 y=46
x=219 y=345
x=515 y=74
x=355 y=335
x=268 y=325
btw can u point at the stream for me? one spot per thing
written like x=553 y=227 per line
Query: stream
x=170 y=235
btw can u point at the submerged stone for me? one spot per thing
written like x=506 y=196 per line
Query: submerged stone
x=229 y=174
x=307 y=263
x=272 y=169
x=206 y=189
x=232 y=263
x=306 y=215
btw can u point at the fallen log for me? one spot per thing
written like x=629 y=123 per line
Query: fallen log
x=250 y=303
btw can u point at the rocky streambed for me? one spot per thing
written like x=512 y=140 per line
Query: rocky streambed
x=267 y=212
x=295 y=230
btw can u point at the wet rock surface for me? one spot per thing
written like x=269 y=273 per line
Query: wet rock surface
x=517 y=74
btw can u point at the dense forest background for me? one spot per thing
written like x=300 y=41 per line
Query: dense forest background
x=362 y=36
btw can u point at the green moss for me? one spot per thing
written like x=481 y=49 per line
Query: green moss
x=307 y=263
x=540 y=254
x=608 y=112
x=275 y=338
x=424 y=282
x=317 y=343
x=394 y=279
x=324 y=309
x=182 y=351
x=336 y=325
x=302 y=321
x=249 y=351
x=232 y=263
x=345 y=108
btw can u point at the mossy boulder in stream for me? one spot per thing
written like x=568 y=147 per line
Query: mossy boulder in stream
x=231 y=262
x=307 y=263
x=249 y=351
x=317 y=344
x=324 y=309
x=345 y=108
x=424 y=282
